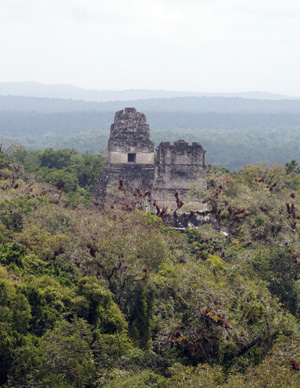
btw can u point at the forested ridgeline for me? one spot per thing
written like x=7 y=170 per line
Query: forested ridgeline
x=94 y=297
x=231 y=141
x=200 y=104
x=234 y=131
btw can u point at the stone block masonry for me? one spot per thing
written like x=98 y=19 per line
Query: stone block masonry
x=178 y=167
x=131 y=158
x=130 y=135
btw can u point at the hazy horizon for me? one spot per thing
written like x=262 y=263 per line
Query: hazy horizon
x=68 y=91
x=206 y=46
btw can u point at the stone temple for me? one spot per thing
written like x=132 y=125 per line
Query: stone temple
x=132 y=172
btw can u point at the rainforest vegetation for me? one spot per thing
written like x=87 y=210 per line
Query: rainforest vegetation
x=234 y=131
x=232 y=140
x=111 y=297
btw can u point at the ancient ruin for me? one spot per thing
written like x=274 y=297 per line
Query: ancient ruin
x=178 y=167
x=130 y=157
x=131 y=172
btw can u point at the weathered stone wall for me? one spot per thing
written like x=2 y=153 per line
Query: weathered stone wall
x=132 y=126
x=130 y=133
x=178 y=167
x=133 y=176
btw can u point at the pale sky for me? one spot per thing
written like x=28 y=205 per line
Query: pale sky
x=188 y=45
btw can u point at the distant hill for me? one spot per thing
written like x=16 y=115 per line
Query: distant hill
x=35 y=89
x=68 y=123
x=175 y=104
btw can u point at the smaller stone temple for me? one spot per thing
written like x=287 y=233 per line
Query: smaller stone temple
x=178 y=167
x=131 y=171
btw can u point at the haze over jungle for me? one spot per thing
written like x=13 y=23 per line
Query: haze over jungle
x=236 y=129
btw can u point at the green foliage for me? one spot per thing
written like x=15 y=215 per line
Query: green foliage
x=12 y=256
x=141 y=315
x=15 y=315
x=274 y=371
x=292 y=166
x=56 y=159
x=143 y=379
x=61 y=179
x=63 y=358
x=66 y=169
x=98 y=308
x=12 y=211
x=4 y=160
x=48 y=300
x=16 y=258
x=108 y=298
x=209 y=320
x=203 y=376
x=277 y=266
x=110 y=349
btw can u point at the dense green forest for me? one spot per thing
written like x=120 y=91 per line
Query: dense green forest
x=94 y=297
x=234 y=131
x=231 y=140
